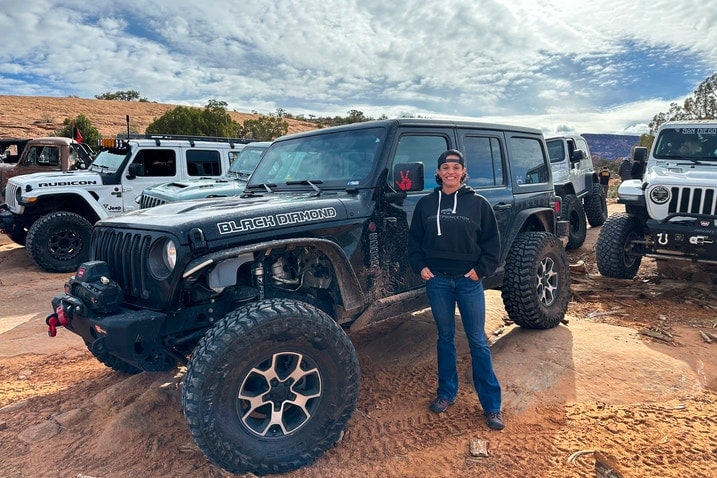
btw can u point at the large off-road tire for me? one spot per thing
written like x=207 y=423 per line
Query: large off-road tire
x=596 y=206
x=270 y=387
x=114 y=363
x=618 y=252
x=536 y=286
x=577 y=226
x=59 y=241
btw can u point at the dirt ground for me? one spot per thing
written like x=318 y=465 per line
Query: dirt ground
x=629 y=383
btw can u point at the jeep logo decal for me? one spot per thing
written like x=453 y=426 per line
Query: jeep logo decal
x=274 y=220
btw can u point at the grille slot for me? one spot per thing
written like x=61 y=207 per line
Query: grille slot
x=125 y=253
x=693 y=200
x=149 y=201
x=10 y=198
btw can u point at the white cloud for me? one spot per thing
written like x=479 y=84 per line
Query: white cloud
x=579 y=64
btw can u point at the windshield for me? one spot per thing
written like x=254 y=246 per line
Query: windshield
x=556 y=150
x=247 y=160
x=338 y=158
x=109 y=160
x=688 y=143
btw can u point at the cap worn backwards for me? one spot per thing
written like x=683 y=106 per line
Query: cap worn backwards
x=443 y=158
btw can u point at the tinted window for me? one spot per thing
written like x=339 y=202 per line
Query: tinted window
x=157 y=162
x=528 y=161
x=484 y=161
x=556 y=150
x=203 y=163
x=413 y=148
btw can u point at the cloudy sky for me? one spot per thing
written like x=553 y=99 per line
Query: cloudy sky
x=586 y=66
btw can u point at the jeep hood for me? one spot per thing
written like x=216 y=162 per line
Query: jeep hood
x=198 y=188
x=57 y=178
x=225 y=218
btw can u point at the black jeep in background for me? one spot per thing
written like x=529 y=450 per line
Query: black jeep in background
x=258 y=295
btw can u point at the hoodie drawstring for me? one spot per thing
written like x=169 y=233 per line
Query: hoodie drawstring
x=438 y=213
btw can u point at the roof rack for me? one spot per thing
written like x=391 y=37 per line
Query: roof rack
x=192 y=139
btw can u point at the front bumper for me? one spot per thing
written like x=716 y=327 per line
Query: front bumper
x=133 y=336
x=7 y=218
x=695 y=241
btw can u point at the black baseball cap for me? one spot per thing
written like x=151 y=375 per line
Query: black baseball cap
x=443 y=158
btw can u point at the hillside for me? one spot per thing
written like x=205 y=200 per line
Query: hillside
x=611 y=146
x=36 y=116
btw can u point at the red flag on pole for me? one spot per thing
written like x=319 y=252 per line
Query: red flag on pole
x=76 y=134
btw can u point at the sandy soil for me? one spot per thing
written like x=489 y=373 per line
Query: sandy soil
x=593 y=393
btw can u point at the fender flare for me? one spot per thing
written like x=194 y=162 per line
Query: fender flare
x=533 y=219
x=352 y=295
x=50 y=197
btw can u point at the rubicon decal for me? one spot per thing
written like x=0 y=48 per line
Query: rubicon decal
x=275 y=220
x=78 y=182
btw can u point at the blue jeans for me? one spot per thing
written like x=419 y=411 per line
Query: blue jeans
x=443 y=294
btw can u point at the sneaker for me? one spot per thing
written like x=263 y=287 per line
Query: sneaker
x=494 y=420
x=440 y=405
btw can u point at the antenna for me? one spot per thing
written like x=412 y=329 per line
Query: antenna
x=127 y=120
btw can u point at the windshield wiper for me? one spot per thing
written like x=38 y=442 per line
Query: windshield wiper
x=266 y=186
x=308 y=182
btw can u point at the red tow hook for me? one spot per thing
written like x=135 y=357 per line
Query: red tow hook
x=56 y=319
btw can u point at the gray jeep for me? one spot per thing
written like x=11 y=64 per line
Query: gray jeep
x=577 y=183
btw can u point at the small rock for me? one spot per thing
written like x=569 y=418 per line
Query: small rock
x=478 y=447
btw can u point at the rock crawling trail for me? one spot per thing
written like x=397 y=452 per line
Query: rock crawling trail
x=628 y=383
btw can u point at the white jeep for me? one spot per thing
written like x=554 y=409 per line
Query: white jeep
x=670 y=204
x=52 y=213
x=578 y=186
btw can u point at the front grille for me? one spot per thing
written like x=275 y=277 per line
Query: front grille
x=149 y=201
x=126 y=254
x=10 y=195
x=693 y=200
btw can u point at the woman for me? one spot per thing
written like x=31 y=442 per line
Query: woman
x=453 y=243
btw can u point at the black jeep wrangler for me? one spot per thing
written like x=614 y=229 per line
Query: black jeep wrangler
x=259 y=294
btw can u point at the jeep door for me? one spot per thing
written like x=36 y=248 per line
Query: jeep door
x=149 y=167
x=412 y=145
x=485 y=154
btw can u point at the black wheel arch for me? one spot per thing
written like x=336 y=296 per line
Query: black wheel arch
x=528 y=220
x=352 y=296
x=69 y=202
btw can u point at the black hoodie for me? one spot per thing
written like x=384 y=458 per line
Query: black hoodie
x=463 y=236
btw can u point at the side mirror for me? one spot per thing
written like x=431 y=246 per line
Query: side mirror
x=135 y=169
x=578 y=155
x=408 y=177
x=639 y=154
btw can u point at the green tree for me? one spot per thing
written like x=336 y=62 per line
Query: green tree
x=264 y=128
x=702 y=105
x=90 y=135
x=212 y=120
x=128 y=95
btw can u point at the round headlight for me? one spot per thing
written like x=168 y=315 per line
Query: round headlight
x=162 y=258
x=660 y=194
